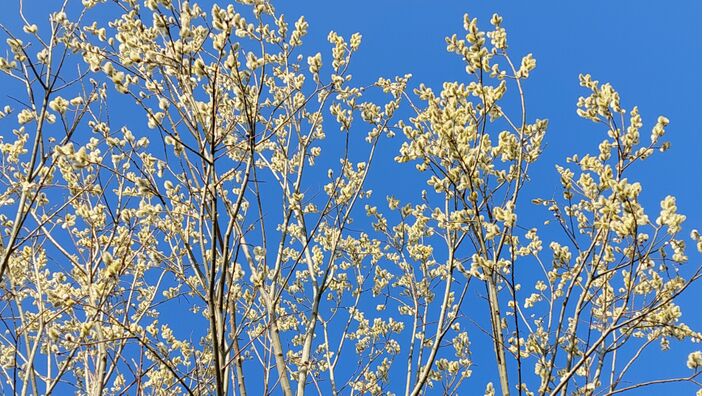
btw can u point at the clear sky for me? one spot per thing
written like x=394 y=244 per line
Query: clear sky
x=649 y=50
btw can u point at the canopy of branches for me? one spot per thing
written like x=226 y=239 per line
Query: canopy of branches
x=185 y=210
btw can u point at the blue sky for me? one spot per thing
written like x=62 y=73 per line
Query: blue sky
x=649 y=50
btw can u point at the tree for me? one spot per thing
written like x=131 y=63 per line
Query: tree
x=214 y=252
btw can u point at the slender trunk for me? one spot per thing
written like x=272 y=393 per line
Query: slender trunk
x=439 y=332
x=238 y=366
x=305 y=356
x=279 y=355
x=498 y=335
